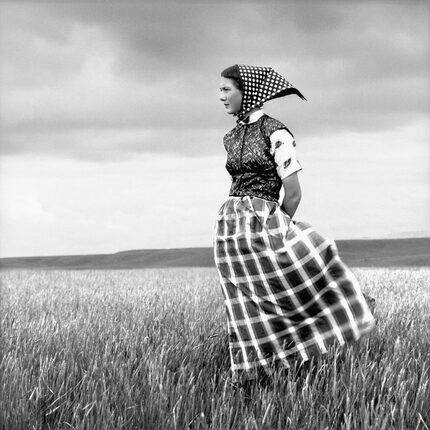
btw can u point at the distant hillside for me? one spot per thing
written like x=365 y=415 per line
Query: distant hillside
x=373 y=253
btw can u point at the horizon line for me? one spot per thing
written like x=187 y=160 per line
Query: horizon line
x=384 y=239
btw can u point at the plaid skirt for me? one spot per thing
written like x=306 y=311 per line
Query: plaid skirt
x=288 y=295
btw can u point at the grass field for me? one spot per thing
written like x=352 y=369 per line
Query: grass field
x=147 y=349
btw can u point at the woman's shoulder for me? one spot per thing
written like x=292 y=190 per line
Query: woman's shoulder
x=271 y=125
x=273 y=121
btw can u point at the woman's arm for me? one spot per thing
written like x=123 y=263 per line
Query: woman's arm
x=293 y=194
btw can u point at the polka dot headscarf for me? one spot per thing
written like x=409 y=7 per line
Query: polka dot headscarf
x=260 y=84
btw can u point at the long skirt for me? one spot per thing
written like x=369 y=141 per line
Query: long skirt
x=288 y=296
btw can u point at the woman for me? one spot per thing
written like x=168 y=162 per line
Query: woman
x=288 y=295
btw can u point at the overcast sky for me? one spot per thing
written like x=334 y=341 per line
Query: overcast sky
x=111 y=127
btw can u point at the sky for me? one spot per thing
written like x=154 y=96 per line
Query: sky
x=111 y=126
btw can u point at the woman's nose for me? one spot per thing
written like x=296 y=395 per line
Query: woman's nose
x=222 y=97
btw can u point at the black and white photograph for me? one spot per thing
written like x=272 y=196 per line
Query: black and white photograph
x=215 y=215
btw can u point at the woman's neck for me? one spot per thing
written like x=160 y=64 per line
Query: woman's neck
x=254 y=114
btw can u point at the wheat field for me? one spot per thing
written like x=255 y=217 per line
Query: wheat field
x=147 y=349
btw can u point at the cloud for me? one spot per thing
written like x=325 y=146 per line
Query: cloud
x=76 y=76
x=113 y=144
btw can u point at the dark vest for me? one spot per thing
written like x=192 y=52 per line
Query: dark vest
x=249 y=162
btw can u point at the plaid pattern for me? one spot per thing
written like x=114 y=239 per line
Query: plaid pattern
x=288 y=295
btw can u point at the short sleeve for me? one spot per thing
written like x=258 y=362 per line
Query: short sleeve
x=283 y=149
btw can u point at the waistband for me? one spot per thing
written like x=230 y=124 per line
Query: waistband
x=254 y=196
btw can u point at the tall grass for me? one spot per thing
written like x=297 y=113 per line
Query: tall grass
x=147 y=349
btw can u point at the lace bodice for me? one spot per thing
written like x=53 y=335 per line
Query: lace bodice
x=249 y=159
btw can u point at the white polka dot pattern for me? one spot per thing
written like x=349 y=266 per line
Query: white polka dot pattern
x=261 y=84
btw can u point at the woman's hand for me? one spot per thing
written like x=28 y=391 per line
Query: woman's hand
x=293 y=194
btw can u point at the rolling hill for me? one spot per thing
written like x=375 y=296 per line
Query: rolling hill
x=358 y=253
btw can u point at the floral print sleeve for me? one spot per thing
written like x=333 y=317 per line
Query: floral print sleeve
x=283 y=149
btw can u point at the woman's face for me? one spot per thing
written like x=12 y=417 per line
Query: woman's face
x=230 y=95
